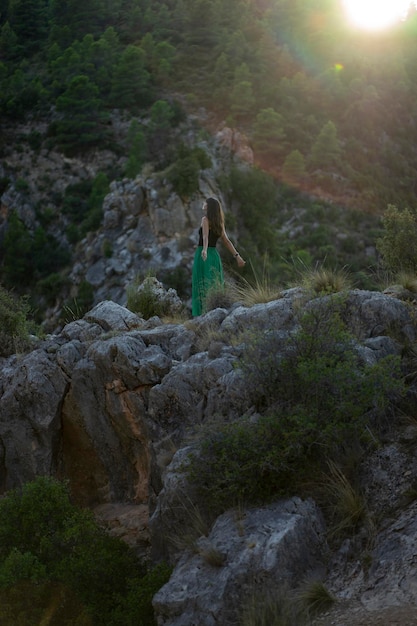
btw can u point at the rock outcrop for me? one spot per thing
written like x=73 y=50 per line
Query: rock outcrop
x=109 y=403
x=247 y=553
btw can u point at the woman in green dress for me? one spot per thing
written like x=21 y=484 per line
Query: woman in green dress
x=207 y=266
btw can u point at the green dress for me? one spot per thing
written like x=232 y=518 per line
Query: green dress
x=206 y=274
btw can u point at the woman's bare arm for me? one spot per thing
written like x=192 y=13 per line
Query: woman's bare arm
x=225 y=239
x=205 y=228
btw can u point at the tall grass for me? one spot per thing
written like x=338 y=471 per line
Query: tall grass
x=255 y=291
x=272 y=609
x=322 y=280
x=314 y=597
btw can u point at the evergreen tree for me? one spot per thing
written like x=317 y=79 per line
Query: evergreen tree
x=163 y=58
x=294 y=168
x=161 y=117
x=326 y=149
x=20 y=93
x=28 y=19
x=81 y=127
x=221 y=80
x=8 y=42
x=18 y=265
x=268 y=133
x=200 y=24
x=105 y=53
x=137 y=152
x=73 y=19
x=99 y=190
x=242 y=96
x=131 y=80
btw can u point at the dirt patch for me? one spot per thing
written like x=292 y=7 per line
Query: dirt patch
x=355 y=614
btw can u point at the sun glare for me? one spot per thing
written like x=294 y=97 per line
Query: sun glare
x=375 y=14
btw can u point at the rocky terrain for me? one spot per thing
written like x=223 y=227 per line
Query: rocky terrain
x=113 y=402
x=146 y=227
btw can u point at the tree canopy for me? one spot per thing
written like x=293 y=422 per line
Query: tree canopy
x=296 y=65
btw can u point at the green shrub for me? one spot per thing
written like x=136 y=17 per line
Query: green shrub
x=143 y=300
x=75 y=201
x=256 y=193
x=135 y=608
x=184 y=173
x=34 y=139
x=107 y=248
x=19 y=566
x=14 y=325
x=83 y=203
x=78 y=306
x=398 y=243
x=51 y=286
x=184 y=176
x=22 y=185
x=4 y=183
x=30 y=603
x=177 y=279
x=314 y=394
x=218 y=296
x=44 y=537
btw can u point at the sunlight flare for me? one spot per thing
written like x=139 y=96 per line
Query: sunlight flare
x=376 y=14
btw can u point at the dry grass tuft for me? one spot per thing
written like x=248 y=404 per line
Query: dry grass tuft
x=212 y=556
x=344 y=502
x=186 y=534
x=272 y=609
x=314 y=597
x=321 y=280
x=257 y=291
x=407 y=280
x=218 y=297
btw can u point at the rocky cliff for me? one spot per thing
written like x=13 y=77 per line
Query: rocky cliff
x=112 y=402
x=146 y=226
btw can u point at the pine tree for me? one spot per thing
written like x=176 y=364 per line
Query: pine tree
x=131 y=80
x=294 y=168
x=81 y=127
x=28 y=19
x=269 y=133
x=326 y=149
x=17 y=253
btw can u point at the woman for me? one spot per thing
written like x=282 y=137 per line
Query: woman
x=207 y=267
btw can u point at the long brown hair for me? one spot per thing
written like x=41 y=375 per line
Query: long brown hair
x=215 y=216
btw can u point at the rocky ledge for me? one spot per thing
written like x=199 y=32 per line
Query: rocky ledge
x=109 y=403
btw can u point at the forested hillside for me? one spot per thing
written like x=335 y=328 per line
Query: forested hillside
x=318 y=99
x=329 y=110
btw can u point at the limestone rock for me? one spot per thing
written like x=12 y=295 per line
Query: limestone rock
x=112 y=316
x=247 y=551
x=30 y=419
x=110 y=400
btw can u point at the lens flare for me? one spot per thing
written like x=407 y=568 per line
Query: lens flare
x=375 y=14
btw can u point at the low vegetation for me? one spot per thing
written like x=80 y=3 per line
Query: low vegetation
x=14 y=324
x=57 y=566
x=314 y=396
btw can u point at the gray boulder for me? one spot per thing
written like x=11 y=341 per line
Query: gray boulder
x=247 y=552
x=32 y=392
